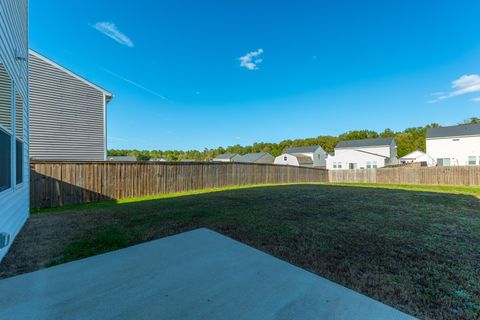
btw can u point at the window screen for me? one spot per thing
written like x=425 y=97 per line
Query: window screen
x=19 y=162
x=5 y=160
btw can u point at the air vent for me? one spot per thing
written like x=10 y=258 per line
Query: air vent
x=4 y=239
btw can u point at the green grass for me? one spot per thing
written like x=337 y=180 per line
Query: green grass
x=466 y=190
x=417 y=250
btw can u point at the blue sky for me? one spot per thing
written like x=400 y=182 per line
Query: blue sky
x=309 y=68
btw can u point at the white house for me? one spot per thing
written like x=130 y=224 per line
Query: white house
x=294 y=160
x=14 y=121
x=316 y=153
x=67 y=113
x=417 y=156
x=227 y=157
x=455 y=145
x=261 y=157
x=363 y=154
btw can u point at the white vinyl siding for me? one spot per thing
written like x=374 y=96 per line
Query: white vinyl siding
x=5 y=99
x=67 y=115
x=14 y=201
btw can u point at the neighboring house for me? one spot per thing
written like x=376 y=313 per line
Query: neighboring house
x=316 y=153
x=261 y=157
x=363 y=154
x=14 y=114
x=67 y=113
x=227 y=157
x=157 y=160
x=123 y=158
x=298 y=160
x=455 y=145
x=417 y=156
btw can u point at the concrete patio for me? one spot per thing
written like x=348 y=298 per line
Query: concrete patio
x=194 y=275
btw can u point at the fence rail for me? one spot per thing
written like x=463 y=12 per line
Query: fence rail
x=54 y=184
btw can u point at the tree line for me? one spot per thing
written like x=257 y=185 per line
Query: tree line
x=408 y=140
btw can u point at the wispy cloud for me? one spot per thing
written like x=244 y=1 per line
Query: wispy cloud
x=465 y=84
x=133 y=83
x=110 y=30
x=251 y=60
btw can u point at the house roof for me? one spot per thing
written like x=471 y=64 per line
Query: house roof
x=122 y=158
x=303 y=149
x=251 y=157
x=365 y=143
x=91 y=84
x=454 y=131
x=304 y=159
x=226 y=156
x=414 y=155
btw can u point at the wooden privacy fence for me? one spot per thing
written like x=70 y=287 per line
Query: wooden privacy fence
x=54 y=184
x=465 y=176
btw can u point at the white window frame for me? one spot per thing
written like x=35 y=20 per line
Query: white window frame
x=339 y=165
x=369 y=165
x=16 y=185
x=374 y=165
x=10 y=132
x=334 y=165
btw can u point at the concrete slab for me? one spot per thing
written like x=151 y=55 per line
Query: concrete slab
x=195 y=275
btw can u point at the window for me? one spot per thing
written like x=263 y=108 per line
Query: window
x=352 y=166
x=19 y=138
x=285 y=158
x=374 y=164
x=443 y=162
x=472 y=160
x=339 y=165
x=5 y=129
x=369 y=165
x=334 y=165
x=319 y=157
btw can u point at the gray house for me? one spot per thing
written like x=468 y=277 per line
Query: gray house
x=67 y=113
x=261 y=157
x=316 y=153
x=227 y=157
x=14 y=163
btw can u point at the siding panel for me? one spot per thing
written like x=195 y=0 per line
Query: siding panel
x=67 y=115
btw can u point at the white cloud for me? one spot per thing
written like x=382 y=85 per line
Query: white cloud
x=251 y=60
x=465 y=84
x=110 y=30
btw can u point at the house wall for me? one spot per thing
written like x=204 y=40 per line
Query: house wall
x=67 y=116
x=14 y=202
x=319 y=157
x=456 y=148
x=291 y=160
x=350 y=155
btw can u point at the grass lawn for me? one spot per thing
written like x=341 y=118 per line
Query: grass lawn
x=417 y=250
